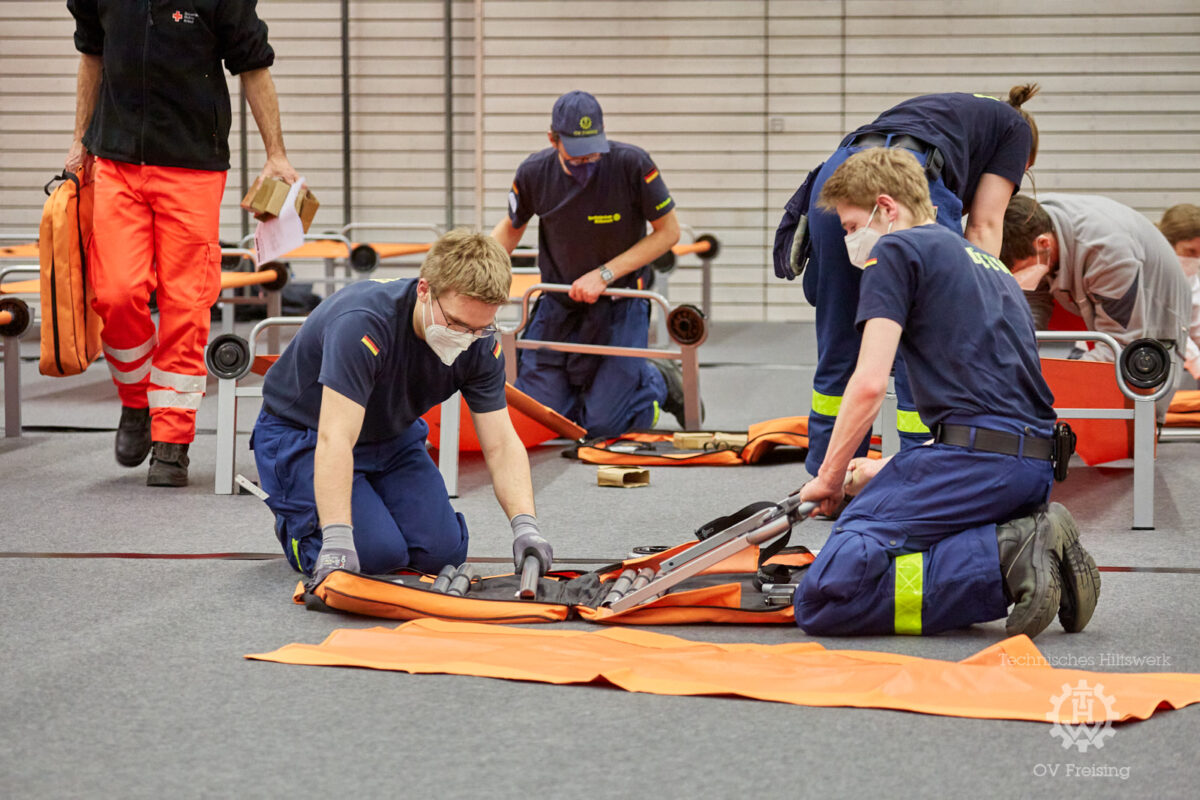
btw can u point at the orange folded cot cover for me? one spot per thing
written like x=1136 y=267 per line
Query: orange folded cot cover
x=1009 y=680
x=655 y=448
x=724 y=593
x=535 y=423
x=1183 y=411
x=1091 y=384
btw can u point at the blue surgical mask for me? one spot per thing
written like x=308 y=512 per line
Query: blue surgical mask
x=582 y=173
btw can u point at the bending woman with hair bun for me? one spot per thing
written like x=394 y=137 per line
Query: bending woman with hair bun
x=975 y=150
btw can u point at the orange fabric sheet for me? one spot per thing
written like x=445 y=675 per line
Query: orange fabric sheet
x=1182 y=413
x=1009 y=680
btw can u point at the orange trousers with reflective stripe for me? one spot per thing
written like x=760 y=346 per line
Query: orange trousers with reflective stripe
x=155 y=229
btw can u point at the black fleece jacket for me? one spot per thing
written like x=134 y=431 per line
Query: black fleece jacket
x=163 y=99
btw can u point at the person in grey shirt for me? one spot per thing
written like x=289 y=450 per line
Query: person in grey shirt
x=1103 y=261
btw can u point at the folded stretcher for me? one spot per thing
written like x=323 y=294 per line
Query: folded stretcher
x=771 y=441
x=739 y=572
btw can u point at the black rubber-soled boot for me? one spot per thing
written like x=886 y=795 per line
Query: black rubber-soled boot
x=1081 y=578
x=168 y=465
x=672 y=374
x=133 y=436
x=1029 y=563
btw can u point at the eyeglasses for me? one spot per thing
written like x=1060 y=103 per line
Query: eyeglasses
x=458 y=327
x=579 y=162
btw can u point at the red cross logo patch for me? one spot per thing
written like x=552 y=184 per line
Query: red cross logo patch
x=177 y=16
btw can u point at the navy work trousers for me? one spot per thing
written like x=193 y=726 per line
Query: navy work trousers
x=916 y=551
x=400 y=508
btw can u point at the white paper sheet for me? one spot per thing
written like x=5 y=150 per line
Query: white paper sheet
x=283 y=234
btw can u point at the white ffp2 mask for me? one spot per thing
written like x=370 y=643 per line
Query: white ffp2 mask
x=860 y=243
x=447 y=344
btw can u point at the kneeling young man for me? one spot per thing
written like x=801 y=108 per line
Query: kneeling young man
x=925 y=547
x=340 y=443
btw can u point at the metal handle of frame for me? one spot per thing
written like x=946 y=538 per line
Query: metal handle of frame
x=563 y=288
x=270 y=322
x=27 y=269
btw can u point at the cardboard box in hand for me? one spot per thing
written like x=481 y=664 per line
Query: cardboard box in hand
x=267 y=201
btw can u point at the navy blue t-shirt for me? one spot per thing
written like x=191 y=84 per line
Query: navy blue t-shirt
x=582 y=227
x=975 y=134
x=360 y=342
x=968 y=338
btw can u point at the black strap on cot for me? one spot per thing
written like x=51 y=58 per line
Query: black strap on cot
x=775 y=573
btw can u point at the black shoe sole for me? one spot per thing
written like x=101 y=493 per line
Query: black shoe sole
x=1034 y=617
x=1081 y=577
x=163 y=478
x=134 y=460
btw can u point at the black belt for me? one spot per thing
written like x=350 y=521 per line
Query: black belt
x=934 y=161
x=990 y=441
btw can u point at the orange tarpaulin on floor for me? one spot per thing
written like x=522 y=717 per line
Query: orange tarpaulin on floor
x=1009 y=680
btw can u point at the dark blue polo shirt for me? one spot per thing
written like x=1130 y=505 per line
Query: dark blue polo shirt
x=975 y=134
x=968 y=338
x=582 y=227
x=360 y=342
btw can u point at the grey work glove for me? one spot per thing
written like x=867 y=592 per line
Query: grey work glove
x=337 y=551
x=528 y=540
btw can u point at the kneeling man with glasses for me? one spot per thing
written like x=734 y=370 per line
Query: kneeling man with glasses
x=340 y=443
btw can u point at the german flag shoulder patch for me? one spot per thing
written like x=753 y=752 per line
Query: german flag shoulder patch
x=651 y=175
x=370 y=344
x=496 y=349
x=870 y=262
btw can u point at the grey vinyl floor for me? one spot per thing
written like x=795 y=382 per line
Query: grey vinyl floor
x=124 y=677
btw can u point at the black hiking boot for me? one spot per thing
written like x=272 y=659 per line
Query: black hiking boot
x=168 y=465
x=672 y=374
x=1029 y=563
x=133 y=436
x=1080 y=577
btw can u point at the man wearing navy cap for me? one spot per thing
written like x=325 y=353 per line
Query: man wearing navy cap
x=593 y=198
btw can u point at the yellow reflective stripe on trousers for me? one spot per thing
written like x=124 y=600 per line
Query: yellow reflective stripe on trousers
x=910 y=586
x=296 y=553
x=910 y=422
x=826 y=404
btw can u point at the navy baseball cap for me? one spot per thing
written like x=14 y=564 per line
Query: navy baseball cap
x=579 y=123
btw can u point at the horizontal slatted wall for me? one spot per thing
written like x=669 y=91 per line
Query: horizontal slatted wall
x=735 y=99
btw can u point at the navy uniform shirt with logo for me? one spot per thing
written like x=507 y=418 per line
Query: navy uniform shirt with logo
x=975 y=134
x=360 y=342
x=582 y=227
x=968 y=337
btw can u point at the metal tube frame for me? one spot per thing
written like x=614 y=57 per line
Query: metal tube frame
x=687 y=354
x=228 y=393
x=763 y=527
x=1142 y=414
x=12 y=368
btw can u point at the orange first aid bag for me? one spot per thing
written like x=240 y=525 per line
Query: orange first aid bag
x=70 y=328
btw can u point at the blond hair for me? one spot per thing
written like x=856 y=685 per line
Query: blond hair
x=1180 y=223
x=879 y=170
x=472 y=264
x=1017 y=96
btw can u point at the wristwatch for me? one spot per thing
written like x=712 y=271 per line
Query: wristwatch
x=606 y=275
